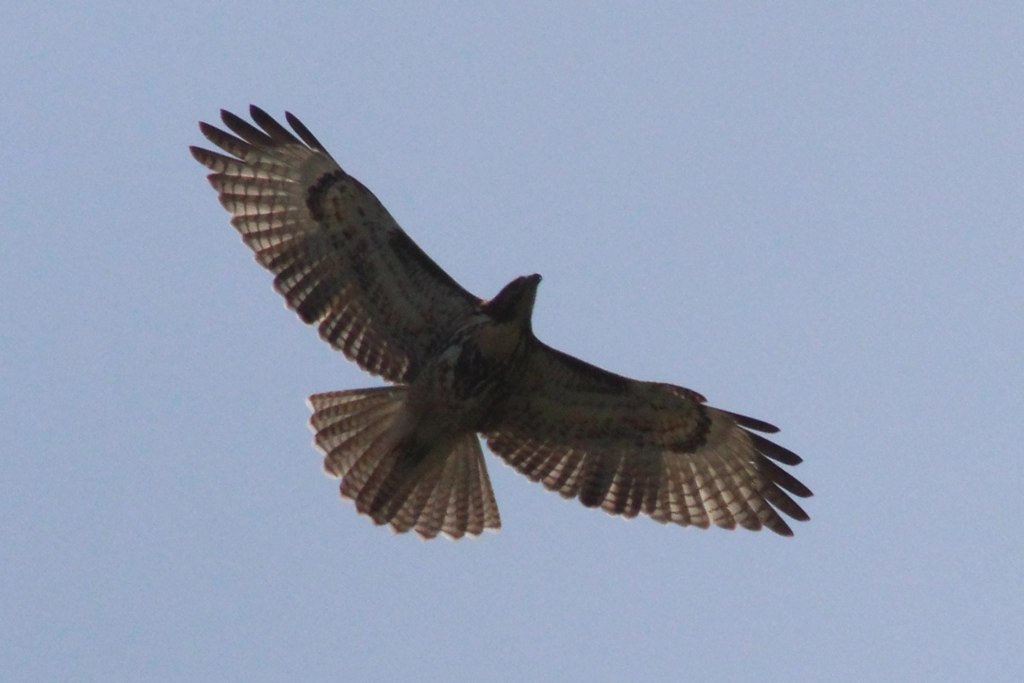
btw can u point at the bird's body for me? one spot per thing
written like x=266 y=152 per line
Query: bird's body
x=408 y=455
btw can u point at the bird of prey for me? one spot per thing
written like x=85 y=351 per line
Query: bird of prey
x=408 y=454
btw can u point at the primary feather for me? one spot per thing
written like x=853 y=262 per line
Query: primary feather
x=409 y=455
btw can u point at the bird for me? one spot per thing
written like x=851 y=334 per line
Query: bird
x=459 y=369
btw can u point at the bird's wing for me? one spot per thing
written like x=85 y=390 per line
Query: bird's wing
x=636 y=447
x=339 y=259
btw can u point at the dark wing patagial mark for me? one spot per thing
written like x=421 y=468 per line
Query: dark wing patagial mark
x=636 y=447
x=339 y=258
x=343 y=263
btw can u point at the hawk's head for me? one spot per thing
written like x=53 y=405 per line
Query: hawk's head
x=514 y=303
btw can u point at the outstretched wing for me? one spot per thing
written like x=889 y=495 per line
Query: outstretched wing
x=339 y=259
x=636 y=447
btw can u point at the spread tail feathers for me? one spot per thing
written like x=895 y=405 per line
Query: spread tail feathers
x=433 y=488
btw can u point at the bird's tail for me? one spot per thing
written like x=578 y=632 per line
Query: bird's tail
x=438 y=487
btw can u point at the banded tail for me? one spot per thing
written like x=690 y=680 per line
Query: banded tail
x=433 y=488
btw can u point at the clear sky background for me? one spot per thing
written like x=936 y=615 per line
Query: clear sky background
x=810 y=213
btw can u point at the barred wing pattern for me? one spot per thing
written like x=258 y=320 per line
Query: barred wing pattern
x=635 y=447
x=340 y=260
x=343 y=263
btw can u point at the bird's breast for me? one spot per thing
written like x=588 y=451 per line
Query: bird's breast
x=497 y=343
x=469 y=374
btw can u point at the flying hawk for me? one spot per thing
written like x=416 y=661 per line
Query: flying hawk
x=408 y=454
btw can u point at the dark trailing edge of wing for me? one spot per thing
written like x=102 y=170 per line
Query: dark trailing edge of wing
x=276 y=135
x=275 y=130
x=270 y=149
x=247 y=131
x=273 y=134
x=752 y=423
x=276 y=155
x=303 y=132
x=785 y=479
x=775 y=451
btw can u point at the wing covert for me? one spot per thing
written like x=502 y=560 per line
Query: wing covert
x=339 y=258
x=635 y=447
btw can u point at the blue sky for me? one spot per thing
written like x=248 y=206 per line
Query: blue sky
x=810 y=213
